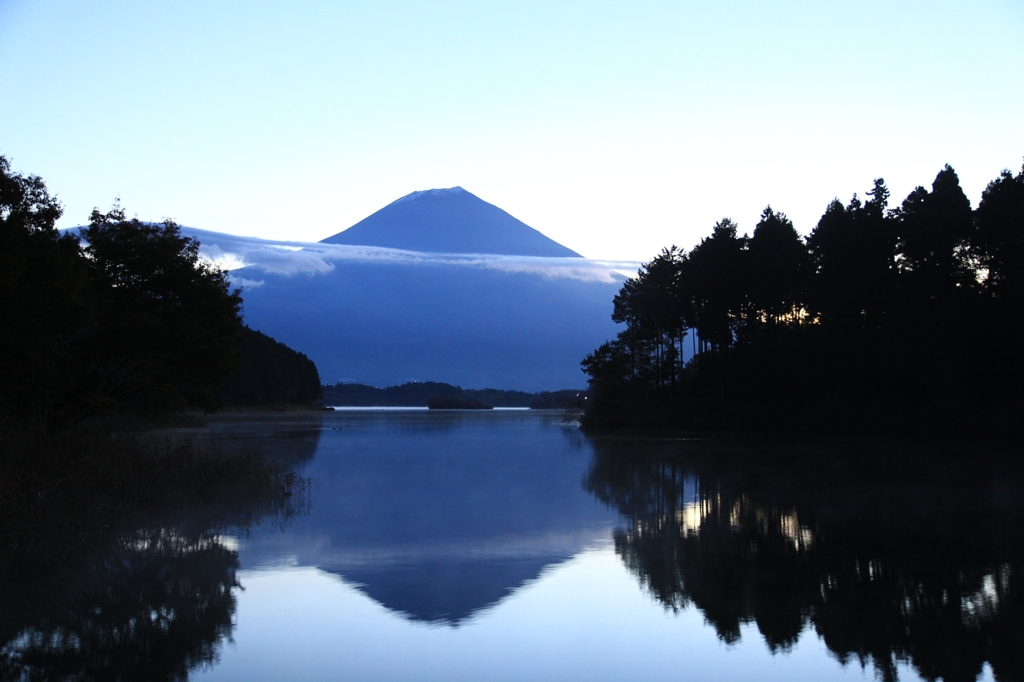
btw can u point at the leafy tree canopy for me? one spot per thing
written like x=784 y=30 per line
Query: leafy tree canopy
x=884 y=315
x=132 y=318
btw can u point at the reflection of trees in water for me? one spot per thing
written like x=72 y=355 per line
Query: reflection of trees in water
x=151 y=603
x=911 y=558
x=573 y=436
x=149 y=607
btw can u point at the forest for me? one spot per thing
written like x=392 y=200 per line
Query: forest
x=270 y=374
x=123 y=317
x=884 y=318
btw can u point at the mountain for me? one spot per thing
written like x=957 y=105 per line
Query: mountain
x=449 y=221
x=373 y=314
x=477 y=307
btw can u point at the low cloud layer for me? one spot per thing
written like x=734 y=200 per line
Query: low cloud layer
x=293 y=258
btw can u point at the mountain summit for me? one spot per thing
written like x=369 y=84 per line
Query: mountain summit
x=449 y=221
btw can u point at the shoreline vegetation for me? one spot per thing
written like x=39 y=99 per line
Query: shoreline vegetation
x=902 y=320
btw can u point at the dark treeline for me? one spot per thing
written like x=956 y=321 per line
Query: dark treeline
x=883 y=317
x=123 y=317
x=435 y=402
x=270 y=374
x=418 y=394
x=126 y=317
x=890 y=554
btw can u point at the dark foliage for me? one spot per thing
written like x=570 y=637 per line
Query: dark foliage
x=45 y=299
x=417 y=394
x=270 y=374
x=129 y=320
x=169 y=324
x=881 y=319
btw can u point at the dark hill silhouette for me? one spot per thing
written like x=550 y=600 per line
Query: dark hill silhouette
x=270 y=374
x=449 y=221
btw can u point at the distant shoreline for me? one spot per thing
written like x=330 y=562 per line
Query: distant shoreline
x=416 y=408
x=419 y=394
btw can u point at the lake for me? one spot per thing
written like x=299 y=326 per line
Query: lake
x=507 y=545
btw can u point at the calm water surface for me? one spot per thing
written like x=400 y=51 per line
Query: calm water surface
x=507 y=546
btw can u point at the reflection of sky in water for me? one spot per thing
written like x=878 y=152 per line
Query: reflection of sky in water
x=435 y=515
x=583 y=619
x=462 y=546
x=490 y=545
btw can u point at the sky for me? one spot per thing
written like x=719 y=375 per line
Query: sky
x=614 y=128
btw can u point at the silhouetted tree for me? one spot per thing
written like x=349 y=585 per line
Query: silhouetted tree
x=132 y=320
x=998 y=242
x=883 y=317
x=934 y=231
x=853 y=259
x=658 y=311
x=778 y=268
x=169 y=323
x=717 y=299
x=853 y=254
x=45 y=301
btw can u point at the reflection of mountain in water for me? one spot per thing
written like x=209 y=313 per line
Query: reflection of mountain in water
x=894 y=555
x=438 y=516
x=447 y=591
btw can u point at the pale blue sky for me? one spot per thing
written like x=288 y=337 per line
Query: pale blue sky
x=614 y=128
